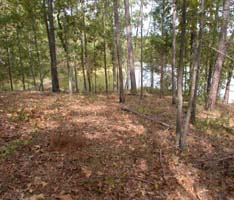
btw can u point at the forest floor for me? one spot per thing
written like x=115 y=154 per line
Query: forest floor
x=53 y=146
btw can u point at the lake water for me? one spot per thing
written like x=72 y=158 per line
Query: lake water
x=147 y=81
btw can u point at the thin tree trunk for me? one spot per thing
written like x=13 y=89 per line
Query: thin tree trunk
x=141 y=15
x=20 y=59
x=64 y=41
x=86 y=64
x=118 y=47
x=41 y=87
x=9 y=69
x=163 y=51
x=197 y=64
x=179 y=121
x=173 y=52
x=76 y=76
x=49 y=21
x=104 y=44
x=212 y=96
x=227 y=89
x=214 y=39
x=114 y=64
x=130 y=59
x=31 y=66
x=83 y=63
x=196 y=59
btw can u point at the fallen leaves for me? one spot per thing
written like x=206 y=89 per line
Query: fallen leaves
x=64 y=197
x=89 y=149
x=36 y=197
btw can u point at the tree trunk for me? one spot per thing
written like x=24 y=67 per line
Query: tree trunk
x=163 y=61
x=9 y=69
x=212 y=96
x=20 y=59
x=76 y=76
x=49 y=21
x=179 y=122
x=195 y=74
x=31 y=66
x=227 y=89
x=114 y=64
x=197 y=63
x=173 y=65
x=214 y=39
x=141 y=15
x=41 y=87
x=86 y=64
x=104 y=44
x=83 y=63
x=118 y=47
x=130 y=59
x=64 y=41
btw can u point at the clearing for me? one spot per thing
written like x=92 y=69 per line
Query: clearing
x=53 y=146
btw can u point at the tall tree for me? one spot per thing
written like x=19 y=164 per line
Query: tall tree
x=227 y=88
x=104 y=44
x=49 y=22
x=64 y=40
x=195 y=74
x=212 y=96
x=180 y=139
x=197 y=62
x=173 y=52
x=141 y=20
x=118 y=49
x=130 y=59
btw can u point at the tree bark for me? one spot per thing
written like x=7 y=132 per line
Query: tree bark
x=83 y=63
x=31 y=66
x=212 y=96
x=118 y=47
x=114 y=63
x=173 y=52
x=197 y=63
x=104 y=44
x=76 y=75
x=163 y=61
x=64 y=41
x=86 y=64
x=9 y=68
x=130 y=59
x=141 y=16
x=214 y=39
x=20 y=59
x=49 y=22
x=179 y=121
x=41 y=87
x=227 y=89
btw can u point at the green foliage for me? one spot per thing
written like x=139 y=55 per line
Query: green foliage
x=9 y=149
x=216 y=125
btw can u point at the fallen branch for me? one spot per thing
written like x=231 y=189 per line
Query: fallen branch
x=146 y=117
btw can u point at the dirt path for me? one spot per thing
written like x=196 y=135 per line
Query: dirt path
x=88 y=148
